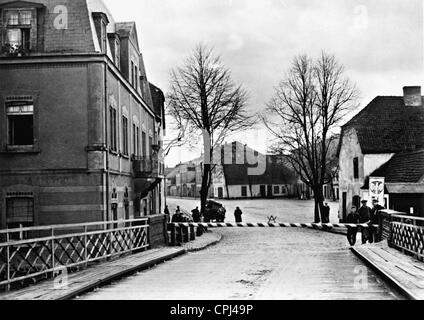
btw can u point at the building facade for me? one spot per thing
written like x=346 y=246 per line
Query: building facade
x=231 y=178
x=386 y=128
x=80 y=134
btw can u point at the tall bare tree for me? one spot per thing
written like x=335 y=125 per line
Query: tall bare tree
x=205 y=102
x=305 y=112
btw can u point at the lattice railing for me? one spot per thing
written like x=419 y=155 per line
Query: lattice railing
x=408 y=237
x=41 y=257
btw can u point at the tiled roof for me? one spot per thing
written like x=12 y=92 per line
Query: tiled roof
x=404 y=167
x=386 y=125
x=158 y=99
x=276 y=173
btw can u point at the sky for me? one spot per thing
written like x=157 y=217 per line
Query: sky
x=379 y=42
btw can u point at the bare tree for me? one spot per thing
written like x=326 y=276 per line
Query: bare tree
x=307 y=108
x=205 y=102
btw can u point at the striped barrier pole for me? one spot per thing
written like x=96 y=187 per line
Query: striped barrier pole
x=273 y=225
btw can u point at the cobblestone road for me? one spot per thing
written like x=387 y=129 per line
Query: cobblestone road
x=257 y=264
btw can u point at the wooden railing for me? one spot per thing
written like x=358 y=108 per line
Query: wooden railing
x=53 y=248
x=407 y=235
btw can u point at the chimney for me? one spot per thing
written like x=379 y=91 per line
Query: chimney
x=412 y=96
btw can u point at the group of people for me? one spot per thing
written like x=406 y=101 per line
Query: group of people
x=364 y=215
x=196 y=215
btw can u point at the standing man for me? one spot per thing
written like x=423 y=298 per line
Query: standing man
x=327 y=210
x=374 y=217
x=237 y=214
x=196 y=215
x=352 y=218
x=167 y=213
x=364 y=218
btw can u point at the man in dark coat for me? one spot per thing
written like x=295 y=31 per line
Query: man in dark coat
x=352 y=218
x=374 y=218
x=326 y=214
x=237 y=214
x=196 y=215
x=364 y=218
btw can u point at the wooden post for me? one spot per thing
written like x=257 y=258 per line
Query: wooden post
x=192 y=233
x=85 y=246
x=180 y=239
x=53 y=251
x=186 y=237
x=8 y=261
x=173 y=234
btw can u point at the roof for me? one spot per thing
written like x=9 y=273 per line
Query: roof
x=403 y=168
x=276 y=173
x=158 y=100
x=386 y=125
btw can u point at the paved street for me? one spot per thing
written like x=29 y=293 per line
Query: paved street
x=255 y=211
x=257 y=264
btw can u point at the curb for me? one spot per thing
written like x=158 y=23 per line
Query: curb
x=211 y=244
x=386 y=276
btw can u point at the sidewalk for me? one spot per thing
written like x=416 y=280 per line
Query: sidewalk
x=404 y=272
x=103 y=273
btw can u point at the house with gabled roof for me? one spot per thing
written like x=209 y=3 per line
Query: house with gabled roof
x=384 y=140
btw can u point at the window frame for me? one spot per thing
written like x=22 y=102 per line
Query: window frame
x=243 y=191
x=113 y=129
x=356 y=168
x=19 y=104
x=125 y=142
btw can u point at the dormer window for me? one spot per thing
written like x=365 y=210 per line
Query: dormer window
x=18 y=24
x=101 y=21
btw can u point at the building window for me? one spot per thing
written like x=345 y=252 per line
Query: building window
x=276 y=190
x=125 y=135
x=356 y=168
x=20 y=122
x=25 y=17
x=19 y=214
x=143 y=144
x=113 y=133
x=136 y=77
x=132 y=72
x=103 y=36
x=12 y=18
x=136 y=140
x=118 y=53
x=19 y=29
x=244 y=191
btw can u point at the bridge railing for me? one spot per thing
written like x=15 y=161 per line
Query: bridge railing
x=54 y=248
x=407 y=235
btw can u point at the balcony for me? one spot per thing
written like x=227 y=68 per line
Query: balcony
x=148 y=167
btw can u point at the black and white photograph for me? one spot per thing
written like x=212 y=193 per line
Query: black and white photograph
x=211 y=154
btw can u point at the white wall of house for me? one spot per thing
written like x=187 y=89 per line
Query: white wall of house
x=348 y=184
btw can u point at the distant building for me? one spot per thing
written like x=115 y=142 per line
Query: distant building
x=384 y=140
x=81 y=128
x=232 y=181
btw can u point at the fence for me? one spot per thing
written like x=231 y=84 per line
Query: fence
x=407 y=235
x=54 y=247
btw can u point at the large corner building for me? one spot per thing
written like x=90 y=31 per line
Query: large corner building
x=81 y=127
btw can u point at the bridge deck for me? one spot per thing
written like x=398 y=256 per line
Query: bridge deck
x=93 y=276
x=258 y=264
x=406 y=271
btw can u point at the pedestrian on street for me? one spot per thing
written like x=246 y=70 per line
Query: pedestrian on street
x=238 y=215
x=178 y=216
x=196 y=215
x=167 y=213
x=364 y=218
x=375 y=220
x=326 y=213
x=352 y=218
